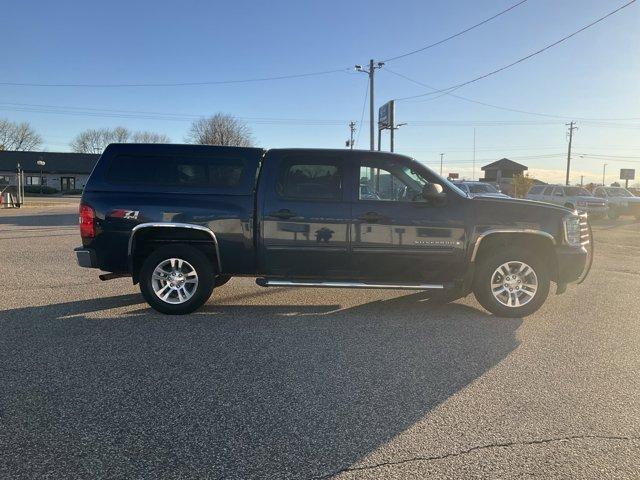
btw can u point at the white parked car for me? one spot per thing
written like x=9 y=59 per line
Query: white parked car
x=620 y=200
x=575 y=198
x=482 y=189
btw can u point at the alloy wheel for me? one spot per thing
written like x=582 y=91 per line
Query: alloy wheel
x=174 y=280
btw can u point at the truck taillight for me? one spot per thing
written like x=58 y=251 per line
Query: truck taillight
x=87 y=218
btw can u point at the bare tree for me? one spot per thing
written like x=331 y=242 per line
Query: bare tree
x=149 y=137
x=118 y=135
x=92 y=140
x=220 y=129
x=96 y=140
x=18 y=136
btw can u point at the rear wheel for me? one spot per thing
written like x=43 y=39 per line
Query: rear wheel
x=512 y=282
x=176 y=279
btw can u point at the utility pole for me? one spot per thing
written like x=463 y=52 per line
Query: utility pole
x=352 y=128
x=572 y=127
x=441 y=157
x=604 y=169
x=473 y=176
x=371 y=72
x=582 y=180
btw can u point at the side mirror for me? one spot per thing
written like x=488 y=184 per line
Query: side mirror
x=434 y=193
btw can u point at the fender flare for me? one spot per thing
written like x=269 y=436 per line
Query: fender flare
x=487 y=233
x=189 y=226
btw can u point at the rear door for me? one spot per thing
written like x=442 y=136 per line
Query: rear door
x=558 y=196
x=547 y=194
x=304 y=215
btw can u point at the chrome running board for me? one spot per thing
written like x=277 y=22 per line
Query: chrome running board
x=266 y=282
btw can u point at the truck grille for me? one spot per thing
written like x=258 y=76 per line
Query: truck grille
x=585 y=236
x=586 y=239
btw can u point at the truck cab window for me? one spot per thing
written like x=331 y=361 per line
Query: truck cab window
x=391 y=182
x=310 y=181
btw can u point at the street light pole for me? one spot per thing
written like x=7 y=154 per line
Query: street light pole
x=441 y=157
x=604 y=169
x=41 y=163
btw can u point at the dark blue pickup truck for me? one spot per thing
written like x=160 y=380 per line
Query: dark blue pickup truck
x=184 y=219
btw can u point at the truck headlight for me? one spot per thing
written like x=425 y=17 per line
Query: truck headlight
x=572 y=231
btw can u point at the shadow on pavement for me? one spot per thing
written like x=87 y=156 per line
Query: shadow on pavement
x=44 y=220
x=234 y=391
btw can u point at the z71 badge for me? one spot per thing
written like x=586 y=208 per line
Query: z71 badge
x=125 y=214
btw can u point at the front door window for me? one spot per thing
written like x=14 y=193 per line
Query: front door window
x=391 y=183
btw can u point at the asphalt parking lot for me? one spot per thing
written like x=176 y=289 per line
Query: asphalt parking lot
x=310 y=383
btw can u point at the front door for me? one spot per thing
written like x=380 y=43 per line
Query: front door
x=305 y=215
x=67 y=183
x=398 y=236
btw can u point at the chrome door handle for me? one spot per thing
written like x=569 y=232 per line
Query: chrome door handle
x=284 y=214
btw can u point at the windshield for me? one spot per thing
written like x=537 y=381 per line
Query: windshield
x=577 y=192
x=619 y=192
x=482 y=188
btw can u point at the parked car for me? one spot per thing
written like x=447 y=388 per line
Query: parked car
x=575 y=198
x=620 y=200
x=182 y=220
x=480 y=188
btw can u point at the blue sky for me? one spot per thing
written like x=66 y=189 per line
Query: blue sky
x=593 y=75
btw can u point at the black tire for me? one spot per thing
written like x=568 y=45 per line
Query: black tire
x=200 y=263
x=568 y=205
x=614 y=214
x=491 y=262
x=221 y=280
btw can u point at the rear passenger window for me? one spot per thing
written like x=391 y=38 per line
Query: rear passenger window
x=310 y=181
x=176 y=171
x=535 y=190
x=548 y=191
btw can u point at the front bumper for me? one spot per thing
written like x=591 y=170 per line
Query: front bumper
x=572 y=262
x=86 y=257
x=594 y=211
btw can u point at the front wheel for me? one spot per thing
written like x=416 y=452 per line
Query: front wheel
x=512 y=283
x=176 y=279
x=614 y=214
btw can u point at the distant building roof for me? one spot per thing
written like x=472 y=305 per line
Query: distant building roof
x=505 y=164
x=55 y=162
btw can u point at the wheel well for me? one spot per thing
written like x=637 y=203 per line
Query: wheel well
x=568 y=205
x=146 y=240
x=539 y=244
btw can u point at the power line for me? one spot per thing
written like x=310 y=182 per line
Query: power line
x=250 y=80
x=500 y=107
x=444 y=91
x=178 y=84
x=189 y=117
x=450 y=37
x=364 y=107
